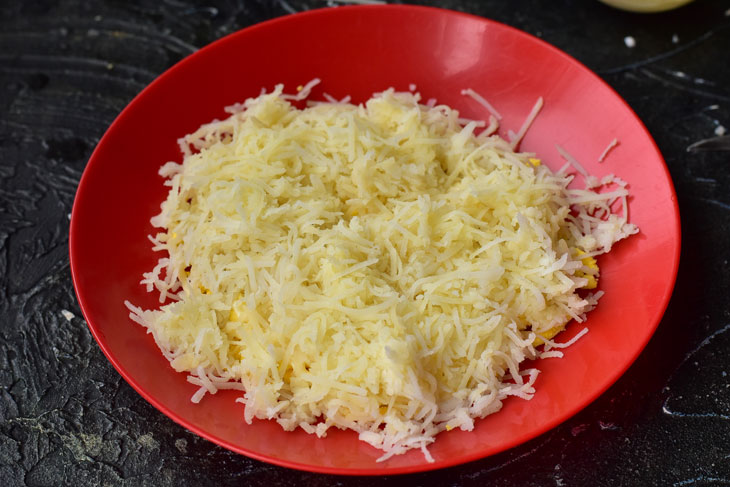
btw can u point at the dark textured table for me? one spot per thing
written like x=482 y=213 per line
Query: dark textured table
x=67 y=68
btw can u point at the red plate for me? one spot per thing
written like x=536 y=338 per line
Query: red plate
x=358 y=50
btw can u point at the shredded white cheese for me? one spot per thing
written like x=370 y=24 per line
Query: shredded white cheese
x=517 y=138
x=482 y=101
x=381 y=268
x=608 y=149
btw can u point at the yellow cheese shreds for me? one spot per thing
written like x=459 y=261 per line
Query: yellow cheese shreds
x=375 y=267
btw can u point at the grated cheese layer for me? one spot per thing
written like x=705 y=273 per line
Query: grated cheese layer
x=381 y=267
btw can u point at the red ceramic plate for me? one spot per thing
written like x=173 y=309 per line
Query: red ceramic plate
x=356 y=51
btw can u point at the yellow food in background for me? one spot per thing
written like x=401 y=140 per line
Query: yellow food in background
x=646 y=5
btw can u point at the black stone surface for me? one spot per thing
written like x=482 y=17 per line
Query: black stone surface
x=67 y=68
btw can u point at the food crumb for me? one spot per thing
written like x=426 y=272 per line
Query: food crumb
x=607 y=426
x=148 y=442
x=629 y=41
x=720 y=130
x=412 y=87
x=67 y=314
x=182 y=445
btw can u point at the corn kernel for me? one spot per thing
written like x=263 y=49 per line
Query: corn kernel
x=592 y=282
x=548 y=335
x=237 y=310
x=590 y=262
